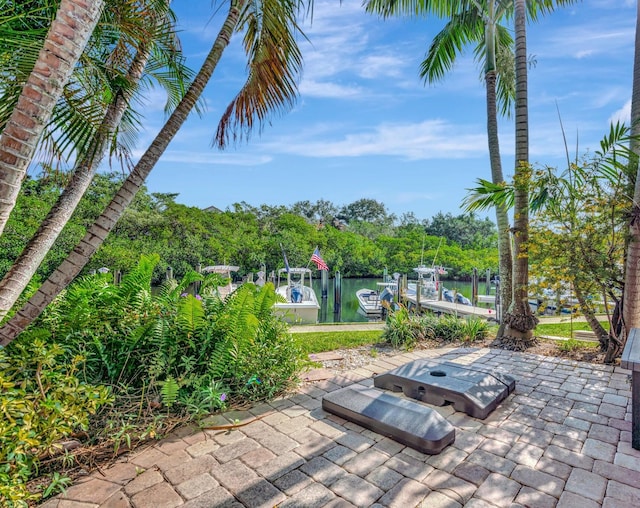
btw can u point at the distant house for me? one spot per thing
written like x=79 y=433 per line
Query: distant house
x=212 y=209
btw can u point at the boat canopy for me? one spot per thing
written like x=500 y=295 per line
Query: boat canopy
x=295 y=270
x=221 y=269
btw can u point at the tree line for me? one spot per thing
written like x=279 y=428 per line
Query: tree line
x=359 y=239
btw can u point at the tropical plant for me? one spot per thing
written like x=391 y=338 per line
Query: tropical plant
x=577 y=232
x=43 y=400
x=122 y=87
x=274 y=62
x=402 y=328
x=478 y=23
x=56 y=60
x=187 y=349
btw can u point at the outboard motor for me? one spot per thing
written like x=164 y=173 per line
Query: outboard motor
x=386 y=295
x=296 y=294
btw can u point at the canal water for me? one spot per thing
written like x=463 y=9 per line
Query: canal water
x=349 y=308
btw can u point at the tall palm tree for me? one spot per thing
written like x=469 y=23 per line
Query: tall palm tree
x=65 y=42
x=275 y=62
x=631 y=298
x=477 y=22
x=23 y=269
x=519 y=319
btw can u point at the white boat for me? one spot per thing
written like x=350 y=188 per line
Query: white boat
x=428 y=280
x=301 y=306
x=371 y=300
x=226 y=272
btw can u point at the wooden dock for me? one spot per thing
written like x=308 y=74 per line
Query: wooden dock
x=457 y=309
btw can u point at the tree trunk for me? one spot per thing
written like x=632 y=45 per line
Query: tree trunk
x=65 y=42
x=97 y=233
x=502 y=219
x=28 y=262
x=631 y=307
x=588 y=312
x=617 y=334
x=520 y=320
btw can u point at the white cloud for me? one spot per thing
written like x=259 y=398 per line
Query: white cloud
x=622 y=115
x=432 y=139
x=213 y=158
x=334 y=90
x=586 y=40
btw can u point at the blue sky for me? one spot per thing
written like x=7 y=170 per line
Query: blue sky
x=366 y=126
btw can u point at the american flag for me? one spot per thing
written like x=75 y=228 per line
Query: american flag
x=317 y=259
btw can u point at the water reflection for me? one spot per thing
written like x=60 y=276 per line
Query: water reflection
x=349 y=308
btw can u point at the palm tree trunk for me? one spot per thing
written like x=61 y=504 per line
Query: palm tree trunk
x=502 y=218
x=520 y=320
x=98 y=232
x=631 y=307
x=65 y=42
x=31 y=257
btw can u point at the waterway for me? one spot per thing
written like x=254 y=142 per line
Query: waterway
x=348 y=312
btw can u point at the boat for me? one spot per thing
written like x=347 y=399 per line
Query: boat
x=428 y=281
x=301 y=303
x=226 y=272
x=371 y=301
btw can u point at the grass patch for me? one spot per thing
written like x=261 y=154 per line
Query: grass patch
x=318 y=342
x=564 y=329
x=571 y=345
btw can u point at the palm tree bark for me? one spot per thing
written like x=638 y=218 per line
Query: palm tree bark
x=502 y=218
x=23 y=269
x=65 y=42
x=520 y=321
x=631 y=299
x=98 y=232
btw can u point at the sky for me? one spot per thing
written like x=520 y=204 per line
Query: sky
x=365 y=125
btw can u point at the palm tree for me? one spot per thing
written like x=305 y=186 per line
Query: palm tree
x=472 y=21
x=122 y=88
x=520 y=321
x=631 y=298
x=479 y=24
x=275 y=62
x=65 y=42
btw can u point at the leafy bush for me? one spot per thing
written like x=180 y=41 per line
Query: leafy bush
x=164 y=351
x=402 y=329
x=188 y=350
x=42 y=401
x=405 y=329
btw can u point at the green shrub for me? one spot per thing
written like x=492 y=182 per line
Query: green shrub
x=42 y=401
x=405 y=329
x=402 y=329
x=475 y=329
x=182 y=348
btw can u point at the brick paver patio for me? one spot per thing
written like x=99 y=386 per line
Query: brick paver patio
x=562 y=439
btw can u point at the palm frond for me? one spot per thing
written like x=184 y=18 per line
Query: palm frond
x=388 y=8
x=275 y=64
x=487 y=195
x=614 y=154
x=459 y=31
